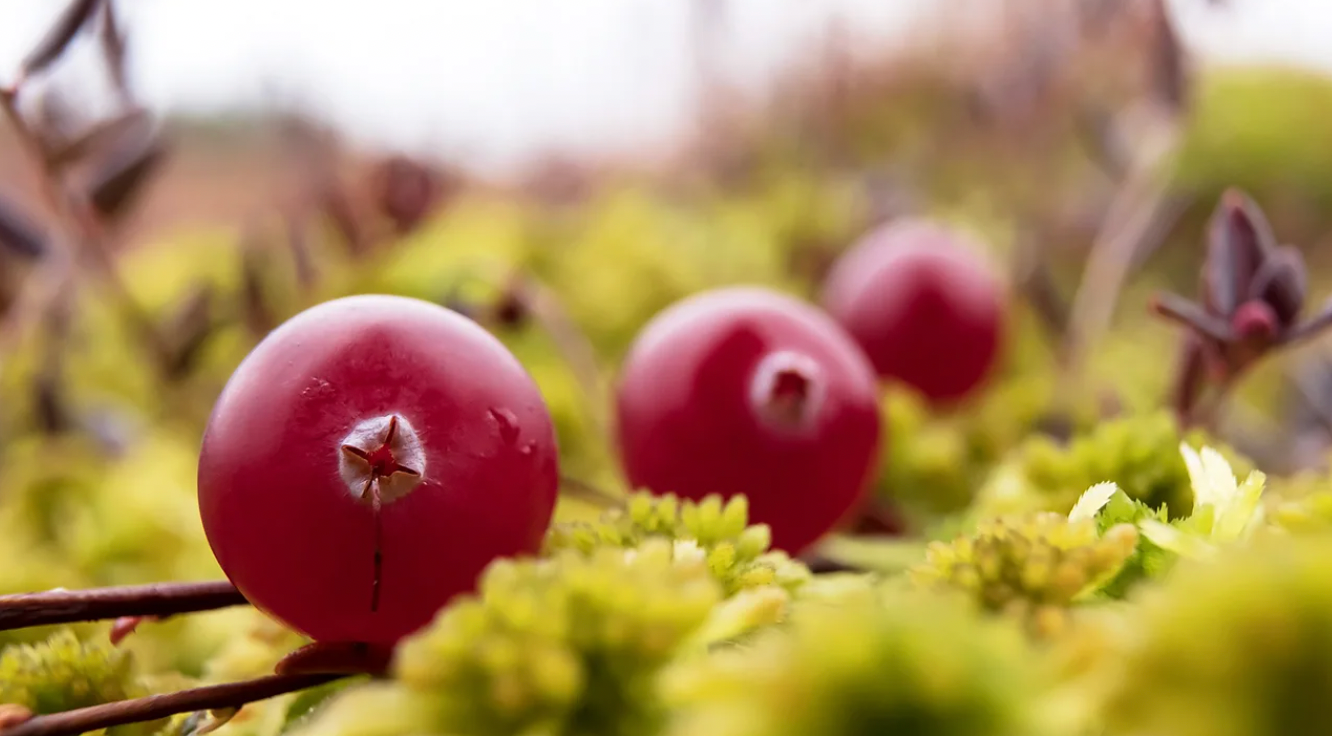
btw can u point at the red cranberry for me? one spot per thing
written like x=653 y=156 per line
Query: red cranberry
x=923 y=305
x=746 y=391
x=367 y=460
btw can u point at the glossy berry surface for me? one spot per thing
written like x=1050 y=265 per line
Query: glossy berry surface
x=367 y=460
x=923 y=305
x=747 y=391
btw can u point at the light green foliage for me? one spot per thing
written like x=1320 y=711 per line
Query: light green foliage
x=1148 y=560
x=1139 y=453
x=1312 y=513
x=566 y=645
x=735 y=552
x=658 y=251
x=1033 y=566
x=907 y=664
x=1165 y=599
x=26 y=566
x=1239 y=135
x=935 y=462
x=63 y=673
x=1238 y=646
x=1300 y=503
x=376 y=709
x=1225 y=511
x=305 y=705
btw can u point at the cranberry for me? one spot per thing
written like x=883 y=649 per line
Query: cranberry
x=923 y=305
x=367 y=460
x=746 y=391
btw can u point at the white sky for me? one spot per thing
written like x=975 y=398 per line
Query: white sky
x=496 y=80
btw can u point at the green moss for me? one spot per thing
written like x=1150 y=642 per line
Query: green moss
x=1238 y=646
x=64 y=673
x=568 y=645
x=735 y=552
x=1031 y=566
x=909 y=664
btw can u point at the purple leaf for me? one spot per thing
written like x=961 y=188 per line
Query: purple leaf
x=1282 y=283
x=1239 y=241
x=1193 y=316
x=66 y=27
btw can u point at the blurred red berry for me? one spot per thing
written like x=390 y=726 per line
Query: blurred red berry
x=367 y=460
x=923 y=305
x=746 y=391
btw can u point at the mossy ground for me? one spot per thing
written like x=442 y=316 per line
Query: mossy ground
x=1164 y=611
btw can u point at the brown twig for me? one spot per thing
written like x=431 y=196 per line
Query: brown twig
x=574 y=347
x=57 y=269
x=1128 y=222
x=588 y=493
x=1037 y=286
x=81 y=233
x=95 y=604
x=1130 y=216
x=154 y=707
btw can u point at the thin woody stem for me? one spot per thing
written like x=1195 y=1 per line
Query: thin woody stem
x=79 y=226
x=96 y=604
x=154 y=707
x=588 y=493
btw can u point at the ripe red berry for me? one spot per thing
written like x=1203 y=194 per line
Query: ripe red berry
x=367 y=460
x=923 y=305
x=746 y=391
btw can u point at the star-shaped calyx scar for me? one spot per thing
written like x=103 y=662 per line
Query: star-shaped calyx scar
x=381 y=460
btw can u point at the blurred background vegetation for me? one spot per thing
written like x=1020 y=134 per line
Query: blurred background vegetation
x=1076 y=141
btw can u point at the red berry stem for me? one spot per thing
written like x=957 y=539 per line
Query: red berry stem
x=95 y=604
x=154 y=707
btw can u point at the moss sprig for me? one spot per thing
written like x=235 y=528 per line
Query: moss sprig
x=1034 y=566
x=571 y=644
x=64 y=673
x=736 y=552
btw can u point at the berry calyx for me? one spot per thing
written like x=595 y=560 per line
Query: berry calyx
x=381 y=459
x=745 y=391
x=786 y=391
x=356 y=475
x=923 y=305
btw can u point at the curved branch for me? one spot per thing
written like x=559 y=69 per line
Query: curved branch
x=95 y=604
x=154 y=707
